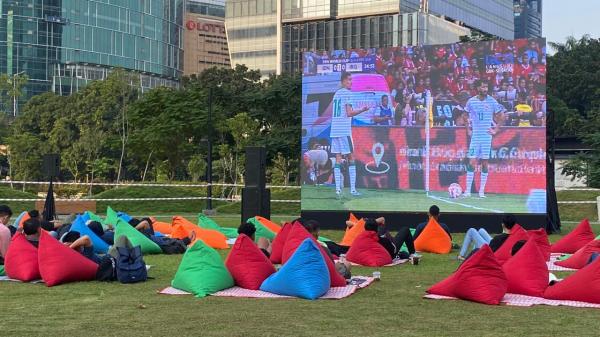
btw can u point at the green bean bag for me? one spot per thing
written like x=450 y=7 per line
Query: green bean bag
x=2 y=273
x=261 y=230
x=111 y=217
x=202 y=272
x=137 y=239
x=208 y=223
x=95 y=217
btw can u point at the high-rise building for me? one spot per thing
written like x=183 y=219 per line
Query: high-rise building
x=528 y=18
x=271 y=37
x=61 y=45
x=204 y=38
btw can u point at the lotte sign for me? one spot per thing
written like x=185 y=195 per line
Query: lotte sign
x=205 y=27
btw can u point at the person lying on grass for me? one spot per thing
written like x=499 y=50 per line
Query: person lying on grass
x=249 y=230
x=479 y=237
x=168 y=245
x=313 y=227
x=83 y=245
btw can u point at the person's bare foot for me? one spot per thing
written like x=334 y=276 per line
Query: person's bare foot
x=460 y=258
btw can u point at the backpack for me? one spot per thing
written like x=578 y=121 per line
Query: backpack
x=129 y=262
x=107 y=269
x=170 y=245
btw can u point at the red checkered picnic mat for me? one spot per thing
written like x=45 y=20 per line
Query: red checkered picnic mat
x=553 y=267
x=395 y=262
x=333 y=293
x=527 y=301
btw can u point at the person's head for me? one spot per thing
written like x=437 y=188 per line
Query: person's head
x=482 y=87
x=5 y=214
x=31 y=227
x=371 y=225
x=134 y=222
x=34 y=214
x=384 y=100
x=508 y=221
x=247 y=229
x=434 y=212
x=346 y=80
x=517 y=246
x=313 y=227
x=70 y=237
x=96 y=227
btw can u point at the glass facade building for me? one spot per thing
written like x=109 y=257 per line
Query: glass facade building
x=528 y=18
x=63 y=44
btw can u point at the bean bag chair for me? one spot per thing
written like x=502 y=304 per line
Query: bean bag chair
x=353 y=218
x=111 y=217
x=366 y=251
x=479 y=279
x=85 y=217
x=136 y=238
x=577 y=238
x=60 y=264
x=581 y=257
x=247 y=264
x=261 y=230
x=21 y=260
x=295 y=237
x=270 y=225
x=541 y=238
x=162 y=227
x=279 y=242
x=583 y=285
x=433 y=239
x=505 y=251
x=305 y=275
x=527 y=272
x=179 y=232
x=2 y=271
x=202 y=272
x=100 y=246
x=124 y=216
x=208 y=223
x=212 y=238
x=24 y=216
x=353 y=232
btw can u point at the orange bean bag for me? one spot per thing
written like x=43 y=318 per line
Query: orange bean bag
x=433 y=239
x=273 y=227
x=163 y=227
x=24 y=218
x=211 y=238
x=353 y=232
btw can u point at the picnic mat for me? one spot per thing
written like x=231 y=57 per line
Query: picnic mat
x=527 y=301
x=395 y=262
x=6 y=278
x=336 y=293
x=553 y=267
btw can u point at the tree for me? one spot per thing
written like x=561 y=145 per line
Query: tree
x=196 y=167
x=11 y=89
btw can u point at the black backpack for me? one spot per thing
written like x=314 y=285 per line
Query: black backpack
x=170 y=245
x=107 y=269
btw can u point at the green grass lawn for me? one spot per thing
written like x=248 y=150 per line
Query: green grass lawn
x=392 y=307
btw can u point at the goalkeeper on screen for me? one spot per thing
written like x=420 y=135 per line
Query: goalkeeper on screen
x=482 y=109
x=341 y=134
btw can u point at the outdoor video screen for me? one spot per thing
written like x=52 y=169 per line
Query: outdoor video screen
x=397 y=129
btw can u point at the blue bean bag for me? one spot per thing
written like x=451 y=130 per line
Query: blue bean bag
x=100 y=246
x=124 y=216
x=304 y=275
x=18 y=219
x=86 y=217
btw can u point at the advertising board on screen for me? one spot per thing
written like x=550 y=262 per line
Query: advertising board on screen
x=396 y=129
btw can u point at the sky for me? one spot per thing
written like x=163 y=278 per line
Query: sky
x=561 y=19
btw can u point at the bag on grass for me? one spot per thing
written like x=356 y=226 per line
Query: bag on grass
x=129 y=261
x=170 y=245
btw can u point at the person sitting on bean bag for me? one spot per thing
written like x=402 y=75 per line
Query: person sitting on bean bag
x=32 y=229
x=313 y=227
x=475 y=238
x=434 y=212
x=144 y=226
x=82 y=244
x=250 y=230
x=392 y=243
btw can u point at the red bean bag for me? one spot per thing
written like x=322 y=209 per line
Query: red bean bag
x=366 y=251
x=516 y=234
x=541 y=238
x=527 y=272
x=21 y=260
x=433 y=239
x=581 y=257
x=60 y=264
x=295 y=237
x=583 y=285
x=279 y=242
x=577 y=238
x=247 y=264
x=479 y=279
x=353 y=232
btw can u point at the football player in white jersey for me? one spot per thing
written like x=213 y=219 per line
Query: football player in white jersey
x=341 y=134
x=482 y=109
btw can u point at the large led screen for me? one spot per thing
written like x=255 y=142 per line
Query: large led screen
x=397 y=129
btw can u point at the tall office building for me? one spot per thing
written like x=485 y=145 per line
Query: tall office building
x=205 y=40
x=528 y=18
x=274 y=41
x=63 y=44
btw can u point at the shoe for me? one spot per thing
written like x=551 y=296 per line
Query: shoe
x=465 y=195
x=338 y=195
x=460 y=258
x=313 y=177
x=481 y=195
x=355 y=193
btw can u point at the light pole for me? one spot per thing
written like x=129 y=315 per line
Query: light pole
x=209 y=158
x=14 y=80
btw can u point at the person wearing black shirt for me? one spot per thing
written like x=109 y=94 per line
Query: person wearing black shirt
x=479 y=237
